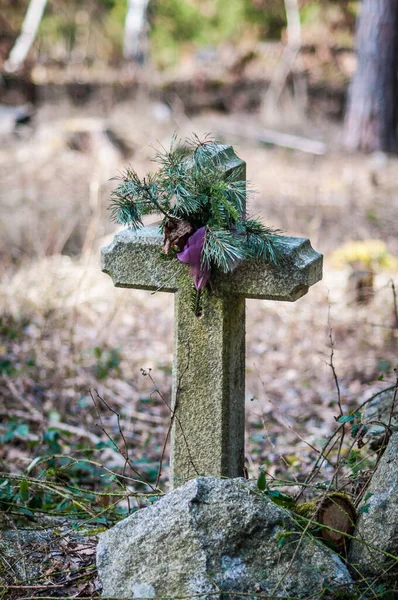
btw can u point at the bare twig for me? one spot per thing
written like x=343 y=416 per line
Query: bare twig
x=124 y=454
x=280 y=417
x=388 y=430
x=336 y=381
x=394 y=294
x=327 y=448
x=174 y=416
x=331 y=364
x=21 y=400
x=273 y=138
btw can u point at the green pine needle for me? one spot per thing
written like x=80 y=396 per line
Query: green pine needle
x=224 y=249
x=192 y=185
x=263 y=242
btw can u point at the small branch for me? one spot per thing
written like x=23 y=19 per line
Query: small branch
x=125 y=454
x=158 y=206
x=36 y=414
x=388 y=426
x=281 y=419
x=394 y=293
x=393 y=402
x=275 y=138
x=331 y=364
x=174 y=416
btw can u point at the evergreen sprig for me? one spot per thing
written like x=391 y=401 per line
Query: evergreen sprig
x=223 y=248
x=192 y=187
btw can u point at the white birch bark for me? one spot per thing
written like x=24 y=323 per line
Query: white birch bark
x=291 y=54
x=27 y=36
x=135 y=30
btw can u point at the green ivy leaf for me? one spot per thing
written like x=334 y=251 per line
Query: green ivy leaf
x=281 y=499
x=262 y=481
x=24 y=490
x=346 y=419
x=27 y=512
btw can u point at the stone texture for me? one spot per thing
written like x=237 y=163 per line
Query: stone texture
x=377 y=524
x=208 y=387
x=207 y=436
x=214 y=535
x=209 y=352
x=134 y=260
x=377 y=412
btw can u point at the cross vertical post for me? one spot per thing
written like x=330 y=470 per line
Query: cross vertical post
x=208 y=396
x=208 y=387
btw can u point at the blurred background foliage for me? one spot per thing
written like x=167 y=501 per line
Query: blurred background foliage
x=93 y=29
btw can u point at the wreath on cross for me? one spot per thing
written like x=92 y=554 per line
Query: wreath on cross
x=204 y=222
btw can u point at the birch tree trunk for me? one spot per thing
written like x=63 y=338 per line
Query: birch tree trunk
x=371 y=115
x=290 y=57
x=134 y=47
x=27 y=36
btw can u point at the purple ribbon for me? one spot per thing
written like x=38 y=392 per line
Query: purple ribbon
x=192 y=255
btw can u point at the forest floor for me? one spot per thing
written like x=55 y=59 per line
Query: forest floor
x=69 y=338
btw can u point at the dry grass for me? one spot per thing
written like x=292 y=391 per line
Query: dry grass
x=65 y=330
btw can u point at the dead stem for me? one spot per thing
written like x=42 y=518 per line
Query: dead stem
x=124 y=454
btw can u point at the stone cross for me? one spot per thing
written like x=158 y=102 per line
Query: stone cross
x=208 y=394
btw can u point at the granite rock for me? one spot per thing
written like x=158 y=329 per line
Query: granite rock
x=377 y=526
x=382 y=409
x=212 y=535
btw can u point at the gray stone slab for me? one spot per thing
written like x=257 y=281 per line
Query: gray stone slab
x=134 y=260
x=213 y=539
x=209 y=351
x=374 y=551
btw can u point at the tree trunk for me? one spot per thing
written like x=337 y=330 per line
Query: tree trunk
x=27 y=36
x=371 y=116
x=290 y=58
x=134 y=47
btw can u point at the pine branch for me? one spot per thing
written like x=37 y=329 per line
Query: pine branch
x=263 y=242
x=205 y=152
x=171 y=161
x=186 y=201
x=226 y=214
x=134 y=198
x=236 y=192
x=224 y=249
x=191 y=187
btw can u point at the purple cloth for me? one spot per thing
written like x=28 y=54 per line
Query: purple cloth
x=192 y=254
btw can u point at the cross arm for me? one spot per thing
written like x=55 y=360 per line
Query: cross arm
x=134 y=260
x=301 y=268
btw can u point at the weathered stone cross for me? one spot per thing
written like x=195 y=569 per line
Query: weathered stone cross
x=209 y=351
